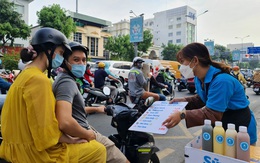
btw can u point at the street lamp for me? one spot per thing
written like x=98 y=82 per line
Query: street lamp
x=242 y=42
x=196 y=17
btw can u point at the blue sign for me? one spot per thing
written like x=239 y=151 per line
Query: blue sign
x=210 y=46
x=253 y=50
x=136 y=29
x=236 y=55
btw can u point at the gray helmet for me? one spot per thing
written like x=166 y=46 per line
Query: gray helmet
x=78 y=46
x=137 y=59
x=50 y=35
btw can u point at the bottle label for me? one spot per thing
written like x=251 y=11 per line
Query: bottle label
x=219 y=139
x=230 y=141
x=244 y=146
x=206 y=136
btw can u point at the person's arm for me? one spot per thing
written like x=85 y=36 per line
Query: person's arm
x=194 y=102
x=242 y=79
x=111 y=77
x=166 y=76
x=68 y=124
x=193 y=117
x=100 y=109
x=90 y=73
x=70 y=140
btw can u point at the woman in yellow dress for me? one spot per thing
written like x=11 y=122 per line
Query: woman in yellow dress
x=29 y=127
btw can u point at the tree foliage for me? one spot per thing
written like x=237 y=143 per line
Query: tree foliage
x=120 y=47
x=55 y=17
x=11 y=24
x=222 y=53
x=10 y=61
x=169 y=52
x=147 y=41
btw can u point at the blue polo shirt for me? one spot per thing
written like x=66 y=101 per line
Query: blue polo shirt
x=224 y=92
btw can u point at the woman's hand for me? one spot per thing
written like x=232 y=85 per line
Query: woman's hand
x=172 y=120
x=90 y=135
x=71 y=140
x=178 y=100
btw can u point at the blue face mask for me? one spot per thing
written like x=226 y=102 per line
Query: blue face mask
x=78 y=70
x=57 y=61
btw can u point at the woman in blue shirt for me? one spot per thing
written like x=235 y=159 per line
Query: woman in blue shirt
x=220 y=96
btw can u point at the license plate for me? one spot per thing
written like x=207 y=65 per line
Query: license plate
x=256 y=89
x=177 y=83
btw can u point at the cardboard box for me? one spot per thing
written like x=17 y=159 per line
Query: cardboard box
x=194 y=154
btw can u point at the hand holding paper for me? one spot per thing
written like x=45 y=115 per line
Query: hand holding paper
x=153 y=118
x=173 y=119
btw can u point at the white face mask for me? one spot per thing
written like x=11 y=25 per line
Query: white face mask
x=186 y=71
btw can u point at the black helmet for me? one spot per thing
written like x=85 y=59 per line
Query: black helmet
x=137 y=59
x=78 y=46
x=50 y=35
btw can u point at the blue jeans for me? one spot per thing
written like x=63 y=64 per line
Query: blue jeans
x=2 y=100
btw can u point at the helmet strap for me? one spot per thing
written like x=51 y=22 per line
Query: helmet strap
x=68 y=70
x=49 y=56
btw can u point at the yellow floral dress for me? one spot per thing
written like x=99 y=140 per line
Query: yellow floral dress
x=30 y=129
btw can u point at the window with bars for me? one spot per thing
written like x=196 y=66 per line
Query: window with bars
x=77 y=37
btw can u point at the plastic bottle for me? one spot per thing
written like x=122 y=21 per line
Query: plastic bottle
x=207 y=132
x=243 y=144
x=230 y=141
x=218 y=138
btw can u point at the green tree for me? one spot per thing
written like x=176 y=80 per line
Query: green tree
x=54 y=16
x=10 y=61
x=169 y=52
x=147 y=41
x=11 y=24
x=221 y=52
x=120 y=48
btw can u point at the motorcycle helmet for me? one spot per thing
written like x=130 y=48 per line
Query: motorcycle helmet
x=235 y=68
x=78 y=46
x=137 y=60
x=50 y=35
x=46 y=39
x=101 y=65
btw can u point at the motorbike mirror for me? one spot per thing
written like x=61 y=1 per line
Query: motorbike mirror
x=106 y=91
x=149 y=101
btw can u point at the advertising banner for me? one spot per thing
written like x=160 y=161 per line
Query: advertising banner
x=136 y=29
x=210 y=46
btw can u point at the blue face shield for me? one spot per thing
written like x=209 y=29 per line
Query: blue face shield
x=57 y=61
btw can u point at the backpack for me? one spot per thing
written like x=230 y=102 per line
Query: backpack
x=160 y=78
x=235 y=75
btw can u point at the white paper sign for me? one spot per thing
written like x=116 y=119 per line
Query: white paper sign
x=152 y=119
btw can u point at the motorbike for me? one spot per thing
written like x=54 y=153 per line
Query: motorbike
x=191 y=85
x=95 y=96
x=256 y=87
x=138 y=147
x=181 y=84
x=249 y=82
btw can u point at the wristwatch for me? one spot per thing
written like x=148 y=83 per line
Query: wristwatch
x=182 y=115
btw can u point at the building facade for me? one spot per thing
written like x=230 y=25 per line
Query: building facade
x=243 y=51
x=176 y=26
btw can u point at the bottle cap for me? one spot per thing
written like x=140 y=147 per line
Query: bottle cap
x=207 y=121
x=242 y=129
x=218 y=123
x=231 y=126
